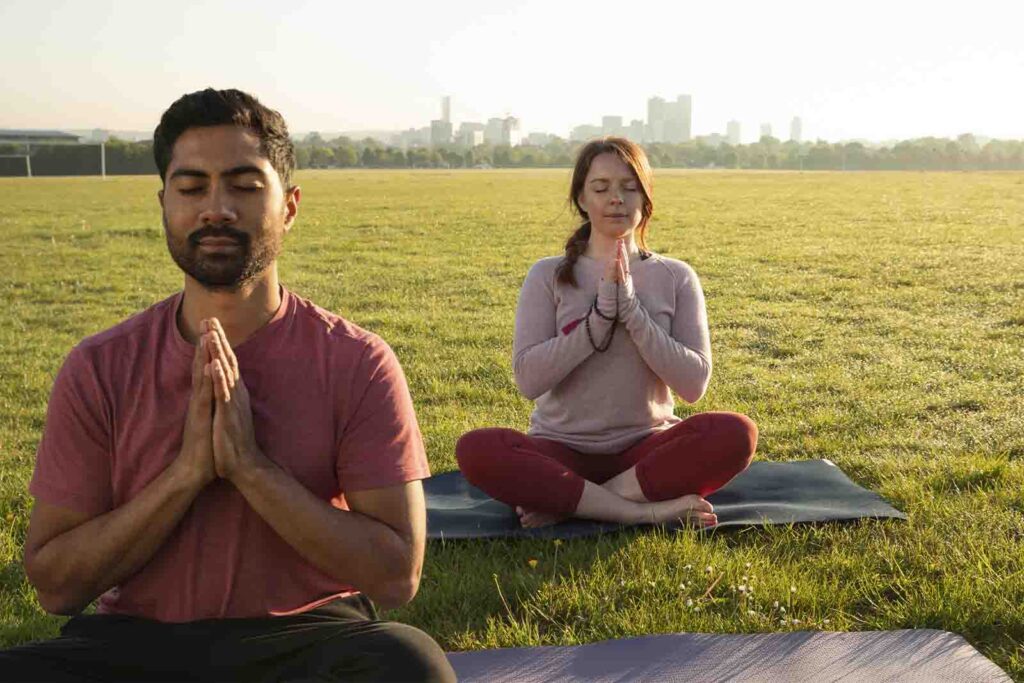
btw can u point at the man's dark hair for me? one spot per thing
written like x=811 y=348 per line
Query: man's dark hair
x=219 y=107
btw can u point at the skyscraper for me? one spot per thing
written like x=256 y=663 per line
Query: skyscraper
x=440 y=132
x=511 y=134
x=682 y=116
x=611 y=125
x=732 y=131
x=635 y=131
x=655 y=120
x=492 y=132
x=669 y=121
x=446 y=109
x=796 y=129
x=766 y=130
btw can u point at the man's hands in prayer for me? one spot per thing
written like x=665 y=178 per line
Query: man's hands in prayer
x=197 y=438
x=233 y=437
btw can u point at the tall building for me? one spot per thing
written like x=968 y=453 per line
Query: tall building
x=669 y=121
x=680 y=120
x=732 y=131
x=796 y=129
x=492 y=131
x=655 y=131
x=446 y=109
x=635 y=131
x=511 y=134
x=766 y=130
x=440 y=132
x=611 y=125
x=470 y=134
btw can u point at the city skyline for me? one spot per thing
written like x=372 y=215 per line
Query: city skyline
x=666 y=122
x=880 y=71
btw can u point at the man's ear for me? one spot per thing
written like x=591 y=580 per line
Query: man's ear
x=291 y=206
x=160 y=196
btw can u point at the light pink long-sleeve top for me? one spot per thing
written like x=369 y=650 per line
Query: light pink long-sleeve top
x=605 y=402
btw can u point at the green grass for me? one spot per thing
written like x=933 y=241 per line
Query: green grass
x=872 y=319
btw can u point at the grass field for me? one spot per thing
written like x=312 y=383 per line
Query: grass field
x=873 y=319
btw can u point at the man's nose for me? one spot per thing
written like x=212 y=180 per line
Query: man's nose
x=218 y=208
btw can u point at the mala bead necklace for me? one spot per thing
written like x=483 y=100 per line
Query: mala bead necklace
x=607 y=341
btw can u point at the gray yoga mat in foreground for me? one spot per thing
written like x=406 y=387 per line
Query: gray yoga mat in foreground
x=766 y=493
x=812 y=656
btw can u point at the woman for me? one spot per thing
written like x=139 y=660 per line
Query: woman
x=604 y=334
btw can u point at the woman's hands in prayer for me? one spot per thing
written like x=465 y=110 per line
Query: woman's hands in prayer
x=617 y=267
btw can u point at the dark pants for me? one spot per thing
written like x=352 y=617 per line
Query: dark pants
x=340 y=641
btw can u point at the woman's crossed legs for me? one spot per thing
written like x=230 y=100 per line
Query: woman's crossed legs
x=661 y=478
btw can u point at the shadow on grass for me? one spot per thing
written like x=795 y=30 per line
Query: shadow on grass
x=468 y=583
x=22 y=619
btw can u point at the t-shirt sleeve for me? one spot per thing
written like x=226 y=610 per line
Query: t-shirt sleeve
x=380 y=443
x=73 y=460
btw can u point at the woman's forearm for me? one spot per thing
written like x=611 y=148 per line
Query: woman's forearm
x=539 y=368
x=685 y=370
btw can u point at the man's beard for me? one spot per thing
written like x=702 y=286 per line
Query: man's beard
x=219 y=270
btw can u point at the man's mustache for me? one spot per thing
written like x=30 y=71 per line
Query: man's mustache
x=219 y=231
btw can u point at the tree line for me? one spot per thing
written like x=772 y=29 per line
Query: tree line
x=313 y=151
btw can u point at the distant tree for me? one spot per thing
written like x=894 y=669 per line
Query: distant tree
x=345 y=155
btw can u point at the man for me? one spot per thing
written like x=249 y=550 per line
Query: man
x=233 y=472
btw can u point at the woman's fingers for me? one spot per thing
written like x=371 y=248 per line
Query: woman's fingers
x=610 y=270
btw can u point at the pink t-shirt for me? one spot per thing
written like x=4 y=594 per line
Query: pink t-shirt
x=330 y=406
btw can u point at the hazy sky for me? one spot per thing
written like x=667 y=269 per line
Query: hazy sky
x=865 y=69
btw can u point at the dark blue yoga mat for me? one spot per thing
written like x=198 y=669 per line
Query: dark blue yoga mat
x=766 y=493
x=924 y=656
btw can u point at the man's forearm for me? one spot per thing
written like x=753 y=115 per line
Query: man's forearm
x=75 y=567
x=354 y=548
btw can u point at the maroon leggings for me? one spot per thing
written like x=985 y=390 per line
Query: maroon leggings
x=698 y=455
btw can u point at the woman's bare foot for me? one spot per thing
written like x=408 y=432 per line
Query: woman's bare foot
x=533 y=520
x=691 y=509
